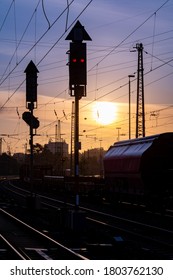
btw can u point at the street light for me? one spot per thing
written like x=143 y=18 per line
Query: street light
x=130 y=76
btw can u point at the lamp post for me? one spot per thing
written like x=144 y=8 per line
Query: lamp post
x=130 y=76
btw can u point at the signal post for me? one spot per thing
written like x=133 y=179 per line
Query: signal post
x=77 y=85
x=31 y=104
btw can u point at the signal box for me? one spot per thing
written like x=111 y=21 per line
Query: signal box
x=31 y=84
x=77 y=65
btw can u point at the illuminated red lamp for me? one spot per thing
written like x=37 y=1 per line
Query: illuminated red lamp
x=82 y=60
x=74 y=60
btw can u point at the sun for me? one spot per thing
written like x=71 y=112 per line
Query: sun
x=104 y=112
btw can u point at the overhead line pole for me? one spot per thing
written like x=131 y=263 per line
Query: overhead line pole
x=140 y=113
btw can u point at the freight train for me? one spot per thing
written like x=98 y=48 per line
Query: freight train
x=137 y=170
x=141 y=170
x=45 y=181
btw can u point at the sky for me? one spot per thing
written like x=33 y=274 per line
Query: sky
x=36 y=30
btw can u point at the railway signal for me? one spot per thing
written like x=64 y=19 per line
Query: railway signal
x=31 y=84
x=77 y=85
x=30 y=120
x=77 y=64
x=31 y=103
x=78 y=60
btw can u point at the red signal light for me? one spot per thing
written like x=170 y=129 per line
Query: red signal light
x=77 y=64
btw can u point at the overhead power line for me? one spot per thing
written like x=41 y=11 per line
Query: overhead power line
x=49 y=49
x=44 y=12
x=17 y=46
x=139 y=26
x=5 y=18
x=42 y=36
x=65 y=32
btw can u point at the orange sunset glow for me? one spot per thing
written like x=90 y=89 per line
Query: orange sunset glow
x=111 y=58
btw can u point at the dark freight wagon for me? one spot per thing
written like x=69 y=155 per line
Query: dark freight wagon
x=141 y=170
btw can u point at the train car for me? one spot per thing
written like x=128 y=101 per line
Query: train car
x=87 y=186
x=141 y=170
x=39 y=171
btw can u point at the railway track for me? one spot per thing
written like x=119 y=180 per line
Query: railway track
x=148 y=240
x=21 y=241
x=140 y=238
x=8 y=251
x=111 y=236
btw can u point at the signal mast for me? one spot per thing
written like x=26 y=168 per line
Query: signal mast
x=77 y=84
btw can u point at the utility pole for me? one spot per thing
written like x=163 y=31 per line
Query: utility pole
x=140 y=113
x=101 y=159
x=77 y=84
x=57 y=135
x=72 y=139
x=130 y=76
x=0 y=146
x=118 y=137
x=59 y=131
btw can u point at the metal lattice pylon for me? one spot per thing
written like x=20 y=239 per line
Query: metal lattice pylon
x=140 y=113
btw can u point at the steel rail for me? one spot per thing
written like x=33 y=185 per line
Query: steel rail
x=44 y=236
x=13 y=248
